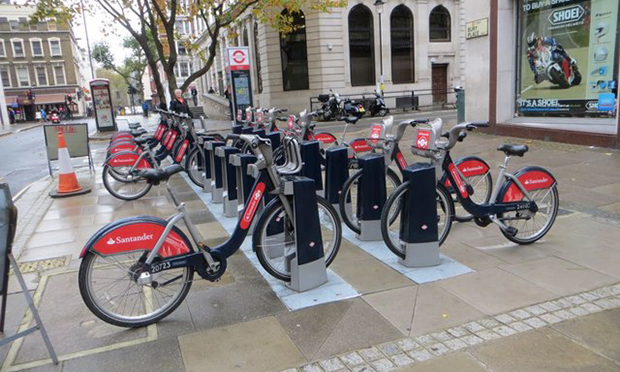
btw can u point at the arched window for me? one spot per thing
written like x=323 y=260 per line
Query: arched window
x=295 y=55
x=439 y=24
x=245 y=41
x=259 y=78
x=361 y=51
x=401 y=38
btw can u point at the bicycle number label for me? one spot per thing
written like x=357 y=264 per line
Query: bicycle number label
x=160 y=266
x=459 y=182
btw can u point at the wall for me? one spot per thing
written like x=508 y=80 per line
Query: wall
x=476 y=64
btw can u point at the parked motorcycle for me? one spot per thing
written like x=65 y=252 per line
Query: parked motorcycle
x=330 y=109
x=351 y=108
x=555 y=65
x=377 y=107
x=55 y=118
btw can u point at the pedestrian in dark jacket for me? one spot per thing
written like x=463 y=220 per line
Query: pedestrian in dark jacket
x=179 y=104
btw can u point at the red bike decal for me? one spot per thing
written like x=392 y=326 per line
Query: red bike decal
x=140 y=236
x=181 y=151
x=459 y=182
x=291 y=122
x=119 y=136
x=423 y=140
x=324 y=137
x=128 y=159
x=248 y=114
x=401 y=160
x=470 y=168
x=167 y=138
x=531 y=180
x=259 y=117
x=122 y=147
x=239 y=114
x=159 y=132
x=250 y=210
x=375 y=133
x=360 y=145
x=171 y=141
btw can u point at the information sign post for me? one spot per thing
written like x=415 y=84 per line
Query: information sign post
x=237 y=63
x=102 y=103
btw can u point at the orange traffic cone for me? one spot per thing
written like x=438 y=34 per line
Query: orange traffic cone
x=68 y=184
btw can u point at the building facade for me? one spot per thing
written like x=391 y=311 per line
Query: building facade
x=410 y=46
x=551 y=68
x=40 y=65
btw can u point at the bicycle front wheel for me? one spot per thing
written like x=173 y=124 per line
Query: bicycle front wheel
x=108 y=287
x=195 y=166
x=348 y=197
x=391 y=217
x=130 y=187
x=274 y=237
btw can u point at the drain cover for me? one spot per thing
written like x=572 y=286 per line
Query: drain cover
x=42 y=265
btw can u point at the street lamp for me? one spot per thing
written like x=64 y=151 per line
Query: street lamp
x=379 y=5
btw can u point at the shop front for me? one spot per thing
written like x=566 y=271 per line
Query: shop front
x=560 y=81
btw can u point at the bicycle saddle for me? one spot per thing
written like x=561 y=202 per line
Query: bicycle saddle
x=144 y=139
x=350 y=119
x=138 y=133
x=134 y=125
x=155 y=176
x=509 y=149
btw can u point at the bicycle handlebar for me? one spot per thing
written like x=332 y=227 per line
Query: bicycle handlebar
x=457 y=133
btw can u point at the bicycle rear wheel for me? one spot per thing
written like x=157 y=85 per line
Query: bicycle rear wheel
x=391 y=217
x=131 y=187
x=108 y=287
x=274 y=237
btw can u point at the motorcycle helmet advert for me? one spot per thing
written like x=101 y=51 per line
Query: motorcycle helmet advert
x=559 y=40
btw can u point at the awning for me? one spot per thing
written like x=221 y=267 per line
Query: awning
x=42 y=99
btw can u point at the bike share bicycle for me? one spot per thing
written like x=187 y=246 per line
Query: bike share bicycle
x=473 y=170
x=136 y=271
x=524 y=205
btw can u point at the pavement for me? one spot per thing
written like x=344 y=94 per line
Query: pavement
x=550 y=306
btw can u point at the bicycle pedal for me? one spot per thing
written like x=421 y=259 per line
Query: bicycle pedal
x=511 y=230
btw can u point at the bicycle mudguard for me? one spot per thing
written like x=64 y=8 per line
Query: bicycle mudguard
x=469 y=166
x=127 y=159
x=127 y=146
x=532 y=178
x=324 y=137
x=180 y=153
x=137 y=234
x=120 y=135
x=360 y=145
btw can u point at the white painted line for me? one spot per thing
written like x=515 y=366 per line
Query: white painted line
x=335 y=289
x=526 y=89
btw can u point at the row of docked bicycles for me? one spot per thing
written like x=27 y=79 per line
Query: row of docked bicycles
x=138 y=270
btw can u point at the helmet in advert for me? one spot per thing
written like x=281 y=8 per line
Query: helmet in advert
x=600 y=54
x=531 y=40
x=601 y=30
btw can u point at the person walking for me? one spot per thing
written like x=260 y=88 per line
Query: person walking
x=211 y=91
x=179 y=104
x=43 y=114
x=228 y=95
x=145 y=109
x=195 y=96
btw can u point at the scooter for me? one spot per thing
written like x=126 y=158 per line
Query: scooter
x=378 y=106
x=55 y=118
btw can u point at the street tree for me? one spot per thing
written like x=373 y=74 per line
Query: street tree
x=142 y=18
x=133 y=66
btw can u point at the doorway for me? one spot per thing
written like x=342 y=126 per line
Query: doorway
x=439 y=83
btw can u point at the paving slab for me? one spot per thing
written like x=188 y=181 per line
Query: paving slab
x=543 y=350
x=593 y=331
x=494 y=291
x=461 y=362
x=437 y=309
x=396 y=305
x=559 y=276
x=254 y=346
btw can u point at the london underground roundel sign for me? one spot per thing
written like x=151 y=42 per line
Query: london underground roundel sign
x=238 y=58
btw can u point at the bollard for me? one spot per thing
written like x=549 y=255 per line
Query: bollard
x=229 y=178
x=371 y=196
x=206 y=175
x=336 y=173
x=418 y=218
x=311 y=158
x=306 y=261
x=216 y=172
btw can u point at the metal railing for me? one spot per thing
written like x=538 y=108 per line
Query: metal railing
x=402 y=100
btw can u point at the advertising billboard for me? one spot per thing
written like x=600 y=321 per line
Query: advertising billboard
x=567 y=58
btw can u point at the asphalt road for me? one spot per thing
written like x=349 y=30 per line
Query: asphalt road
x=23 y=159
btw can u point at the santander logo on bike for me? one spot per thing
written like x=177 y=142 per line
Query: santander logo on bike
x=252 y=206
x=423 y=140
x=540 y=180
x=130 y=239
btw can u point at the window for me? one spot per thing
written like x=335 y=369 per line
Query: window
x=2 y=50
x=401 y=37
x=183 y=69
x=245 y=37
x=14 y=25
x=6 y=76
x=18 y=48
x=361 y=51
x=37 y=47
x=439 y=24
x=59 y=75
x=41 y=75
x=55 y=49
x=259 y=79
x=181 y=50
x=51 y=26
x=294 y=55
x=23 y=77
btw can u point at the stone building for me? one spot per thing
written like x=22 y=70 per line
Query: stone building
x=39 y=64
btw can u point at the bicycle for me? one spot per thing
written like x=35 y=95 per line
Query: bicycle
x=136 y=271
x=473 y=169
x=516 y=198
